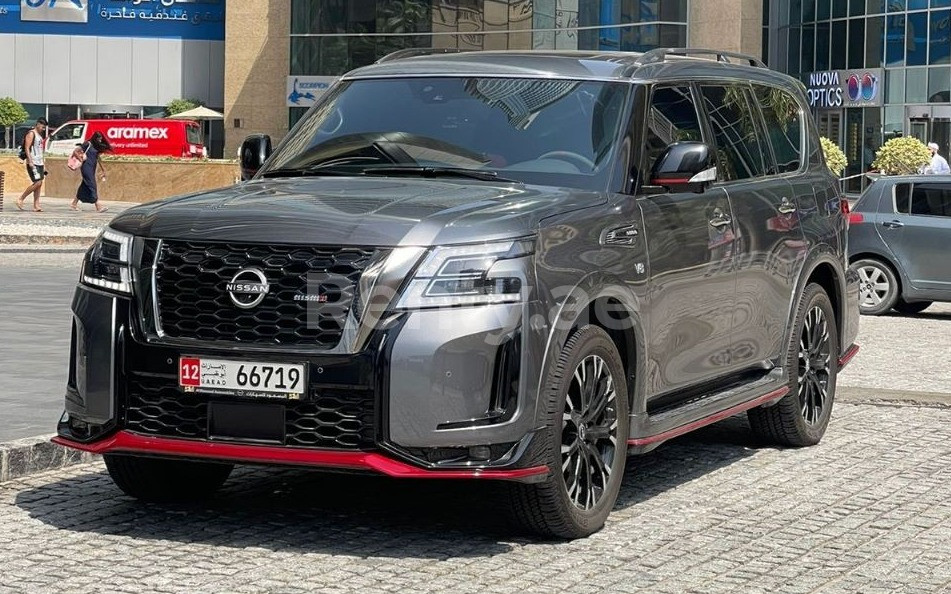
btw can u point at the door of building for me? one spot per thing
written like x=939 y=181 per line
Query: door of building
x=830 y=125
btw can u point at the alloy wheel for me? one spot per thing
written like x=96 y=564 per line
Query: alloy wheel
x=589 y=432
x=815 y=365
x=873 y=286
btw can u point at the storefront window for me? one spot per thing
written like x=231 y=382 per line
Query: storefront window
x=939 y=85
x=916 y=85
x=895 y=86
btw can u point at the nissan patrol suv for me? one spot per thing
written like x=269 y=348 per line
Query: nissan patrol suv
x=508 y=266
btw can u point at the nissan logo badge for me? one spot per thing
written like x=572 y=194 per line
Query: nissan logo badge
x=248 y=288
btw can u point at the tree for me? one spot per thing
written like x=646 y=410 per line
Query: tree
x=835 y=158
x=179 y=105
x=901 y=156
x=11 y=114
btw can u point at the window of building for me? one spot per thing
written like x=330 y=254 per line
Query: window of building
x=875 y=42
x=783 y=118
x=672 y=118
x=916 y=40
x=933 y=200
x=875 y=7
x=739 y=154
x=940 y=39
x=822 y=46
x=792 y=66
x=823 y=9
x=895 y=40
x=839 y=33
x=808 y=11
x=808 y=48
x=939 y=85
x=840 y=8
x=916 y=85
x=857 y=8
x=856 y=46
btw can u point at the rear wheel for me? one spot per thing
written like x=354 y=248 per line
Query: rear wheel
x=915 y=307
x=878 y=287
x=161 y=480
x=584 y=442
x=801 y=417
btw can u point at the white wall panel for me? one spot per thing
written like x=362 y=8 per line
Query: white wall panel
x=28 y=73
x=145 y=72
x=56 y=67
x=195 y=57
x=170 y=70
x=8 y=47
x=114 y=84
x=83 y=69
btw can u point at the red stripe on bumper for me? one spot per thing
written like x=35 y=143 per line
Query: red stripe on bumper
x=678 y=431
x=848 y=356
x=132 y=443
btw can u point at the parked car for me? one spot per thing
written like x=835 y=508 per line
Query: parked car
x=151 y=138
x=899 y=234
x=506 y=266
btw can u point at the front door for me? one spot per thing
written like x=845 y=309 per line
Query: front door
x=690 y=243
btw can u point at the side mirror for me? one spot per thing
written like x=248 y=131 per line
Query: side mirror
x=685 y=167
x=254 y=152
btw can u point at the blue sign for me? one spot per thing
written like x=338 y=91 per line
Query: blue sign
x=183 y=19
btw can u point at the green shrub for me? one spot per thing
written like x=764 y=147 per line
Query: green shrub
x=835 y=158
x=901 y=156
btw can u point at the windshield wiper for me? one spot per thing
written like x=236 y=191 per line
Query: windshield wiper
x=306 y=171
x=439 y=172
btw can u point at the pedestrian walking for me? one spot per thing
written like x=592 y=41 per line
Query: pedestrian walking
x=34 y=147
x=88 y=153
x=939 y=165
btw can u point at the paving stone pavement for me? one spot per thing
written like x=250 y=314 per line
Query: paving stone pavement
x=868 y=510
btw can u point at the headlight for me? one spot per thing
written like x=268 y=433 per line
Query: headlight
x=467 y=275
x=107 y=263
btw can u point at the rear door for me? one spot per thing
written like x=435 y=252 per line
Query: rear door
x=919 y=233
x=690 y=242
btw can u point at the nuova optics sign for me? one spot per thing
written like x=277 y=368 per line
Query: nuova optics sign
x=835 y=89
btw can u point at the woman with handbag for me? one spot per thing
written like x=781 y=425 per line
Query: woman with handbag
x=86 y=159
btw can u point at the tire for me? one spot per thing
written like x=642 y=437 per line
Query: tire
x=166 y=481
x=910 y=309
x=878 y=286
x=555 y=508
x=801 y=417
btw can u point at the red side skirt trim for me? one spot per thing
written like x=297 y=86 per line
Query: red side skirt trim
x=848 y=356
x=677 y=431
x=132 y=443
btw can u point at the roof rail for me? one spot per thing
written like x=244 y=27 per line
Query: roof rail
x=660 y=55
x=412 y=52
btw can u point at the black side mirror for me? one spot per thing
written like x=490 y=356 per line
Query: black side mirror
x=685 y=167
x=254 y=152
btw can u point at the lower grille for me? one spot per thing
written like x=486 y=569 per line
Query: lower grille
x=335 y=418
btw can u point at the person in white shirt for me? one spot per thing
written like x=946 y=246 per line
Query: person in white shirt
x=939 y=165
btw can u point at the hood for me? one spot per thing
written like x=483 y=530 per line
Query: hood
x=368 y=211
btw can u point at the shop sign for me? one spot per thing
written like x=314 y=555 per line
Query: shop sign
x=833 y=89
x=55 y=11
x=303 y=91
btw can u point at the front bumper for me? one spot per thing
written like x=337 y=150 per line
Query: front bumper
x=413 y=402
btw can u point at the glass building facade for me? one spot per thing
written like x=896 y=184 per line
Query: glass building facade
x=904 y=46
x=330 y=37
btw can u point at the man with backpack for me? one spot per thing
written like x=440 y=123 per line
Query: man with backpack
x=34 y=145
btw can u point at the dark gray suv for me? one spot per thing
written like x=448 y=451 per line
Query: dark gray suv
x=899 y=234
x=509 y=266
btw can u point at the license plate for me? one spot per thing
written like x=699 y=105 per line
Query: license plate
x=241 y=378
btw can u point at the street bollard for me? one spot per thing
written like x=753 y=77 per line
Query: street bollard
x=2 y=174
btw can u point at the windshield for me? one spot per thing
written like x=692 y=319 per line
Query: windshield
x=539 y=131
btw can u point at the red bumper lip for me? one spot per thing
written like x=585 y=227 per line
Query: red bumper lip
x=848 y=356
x=132 y=443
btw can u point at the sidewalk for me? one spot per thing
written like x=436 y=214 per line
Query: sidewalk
x=56 y=226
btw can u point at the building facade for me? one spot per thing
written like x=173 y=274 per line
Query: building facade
x=281 y=54
x=67 y=59
x=874 y=69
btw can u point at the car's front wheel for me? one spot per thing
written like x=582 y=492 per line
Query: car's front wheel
x=878 y=286
x=801 y=417
x=162 y=480
x=584 y=442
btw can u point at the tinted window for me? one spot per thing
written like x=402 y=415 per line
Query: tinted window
x=739 y=152
x=931 y=200
x=783 y=118
x=672 y=118
x=549 y=132
x=902 y=194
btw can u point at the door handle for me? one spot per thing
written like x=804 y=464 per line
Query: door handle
x=786 y=207
x=893 y=224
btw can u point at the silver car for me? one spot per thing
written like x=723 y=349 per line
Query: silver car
x=899 y=236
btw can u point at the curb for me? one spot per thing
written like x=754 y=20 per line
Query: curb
x=64 y=240
x=24 y=457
